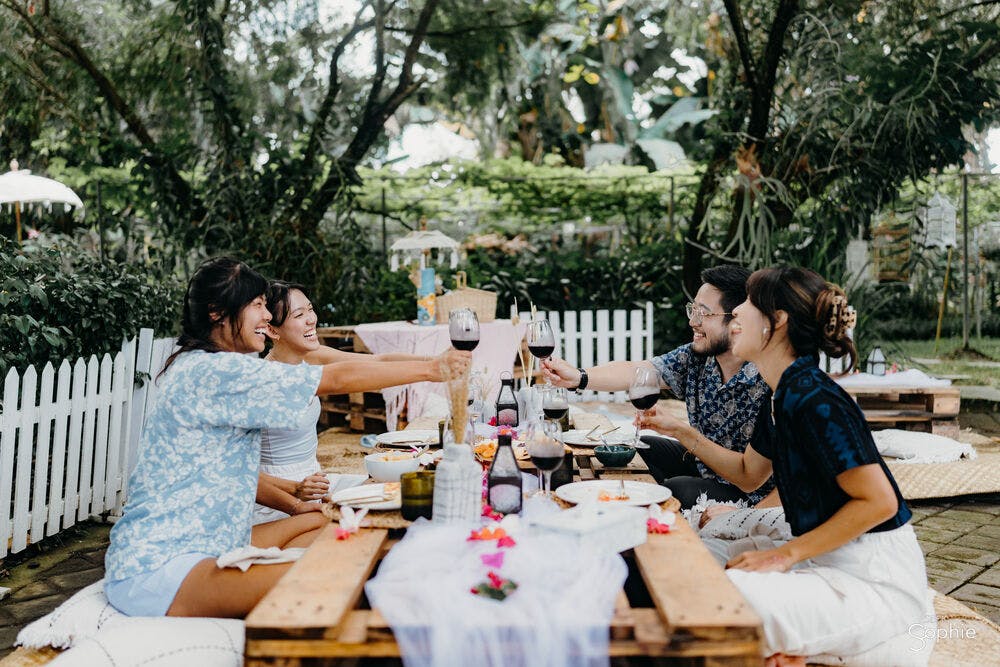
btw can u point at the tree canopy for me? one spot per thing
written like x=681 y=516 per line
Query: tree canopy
x=242 y=126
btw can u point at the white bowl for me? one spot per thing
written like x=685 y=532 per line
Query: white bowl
x=389 y=471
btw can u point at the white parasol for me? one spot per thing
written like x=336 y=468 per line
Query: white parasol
x=413 y=246
x=21 y=187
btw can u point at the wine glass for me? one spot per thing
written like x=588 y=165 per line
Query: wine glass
x=644 y=392
x=477 y=403
x=541 y=340
x=463 y=327
x=546 y=451
x=555 y=403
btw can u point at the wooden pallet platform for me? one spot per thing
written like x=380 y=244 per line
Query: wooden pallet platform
x=312 y=617
x=927 y=409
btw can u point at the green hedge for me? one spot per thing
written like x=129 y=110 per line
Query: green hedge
x=62 y=303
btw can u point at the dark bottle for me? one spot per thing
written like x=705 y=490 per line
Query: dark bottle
x=564 y=473
x=503 y=481
x=507 y=404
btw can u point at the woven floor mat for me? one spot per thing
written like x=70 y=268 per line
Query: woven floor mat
x=946 y=480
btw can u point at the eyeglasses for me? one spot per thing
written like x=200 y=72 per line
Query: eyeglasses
x=696 y=313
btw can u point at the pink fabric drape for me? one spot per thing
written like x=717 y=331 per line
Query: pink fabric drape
x=495 y=354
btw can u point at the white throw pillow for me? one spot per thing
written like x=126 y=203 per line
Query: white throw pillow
x=917 y=447
x=98 y=634
x=160 y=642
x=76 y=619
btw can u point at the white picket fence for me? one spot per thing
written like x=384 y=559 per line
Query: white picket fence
x=68 y=439
x=588 y=338
x=69 y=436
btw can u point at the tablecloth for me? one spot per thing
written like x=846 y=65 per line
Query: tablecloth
x=497 y=349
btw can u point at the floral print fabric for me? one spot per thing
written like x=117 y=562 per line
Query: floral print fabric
x=725 y=412
x=195 y=481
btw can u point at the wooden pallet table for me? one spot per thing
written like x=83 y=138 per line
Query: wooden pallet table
x=927 y=409
x=681 y=608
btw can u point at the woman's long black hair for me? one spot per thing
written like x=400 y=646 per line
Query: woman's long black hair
x=219 y=290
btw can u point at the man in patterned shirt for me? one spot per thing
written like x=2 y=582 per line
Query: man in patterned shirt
x=722 y=392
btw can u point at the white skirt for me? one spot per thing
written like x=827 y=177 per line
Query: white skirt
x=294 y=471
x=844 y=602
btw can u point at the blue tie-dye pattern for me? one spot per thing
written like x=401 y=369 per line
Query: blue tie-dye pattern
x=724 y=412
x=193 y=487
x=817 y=431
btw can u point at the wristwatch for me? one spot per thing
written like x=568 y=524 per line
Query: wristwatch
x=583 y=381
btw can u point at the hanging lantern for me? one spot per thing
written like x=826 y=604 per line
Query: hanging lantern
x=940 y=218
x=876 y=362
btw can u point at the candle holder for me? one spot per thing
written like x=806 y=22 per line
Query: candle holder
x=417 y=494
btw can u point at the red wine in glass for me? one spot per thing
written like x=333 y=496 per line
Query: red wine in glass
x=541 y=340
x=541 y=351
x=555 y=413
x=464 y=344
x=463 y=328
x=643 y=392
x=644 y=401
x=547 y=463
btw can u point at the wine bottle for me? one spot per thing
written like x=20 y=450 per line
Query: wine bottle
x=503 y=481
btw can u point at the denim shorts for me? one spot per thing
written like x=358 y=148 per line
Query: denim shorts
x=152 y=593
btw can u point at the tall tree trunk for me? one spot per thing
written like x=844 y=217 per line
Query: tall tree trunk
x=696 y=238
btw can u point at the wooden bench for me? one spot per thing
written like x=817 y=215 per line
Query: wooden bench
x=927 y=409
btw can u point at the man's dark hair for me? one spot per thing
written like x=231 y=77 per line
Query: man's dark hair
x=731 y=280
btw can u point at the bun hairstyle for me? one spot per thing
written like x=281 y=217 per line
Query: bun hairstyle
x=278 y=297
x=818 y=315
x=218 y=292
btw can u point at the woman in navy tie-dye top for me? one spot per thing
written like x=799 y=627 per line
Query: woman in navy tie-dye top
x=852 y=577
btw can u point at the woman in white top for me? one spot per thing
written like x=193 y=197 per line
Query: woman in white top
x=290 y=473
x=192 y=490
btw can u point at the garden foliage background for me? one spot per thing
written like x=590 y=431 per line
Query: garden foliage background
x=763 y=131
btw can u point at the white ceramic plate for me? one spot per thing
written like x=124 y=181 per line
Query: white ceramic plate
x=357 y=497
x=578 y=437
x=414 y=437
x=639 y=493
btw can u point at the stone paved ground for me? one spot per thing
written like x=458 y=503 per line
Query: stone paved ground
x=960 y=540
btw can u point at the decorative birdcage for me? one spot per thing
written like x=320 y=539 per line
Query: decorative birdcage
x=415 y=247
x=940 y=222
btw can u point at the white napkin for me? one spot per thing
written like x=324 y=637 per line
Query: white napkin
x=341 y=481
x=244 y=557
x=414 y=436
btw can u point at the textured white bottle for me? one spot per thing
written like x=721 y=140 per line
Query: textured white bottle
x=458 y=486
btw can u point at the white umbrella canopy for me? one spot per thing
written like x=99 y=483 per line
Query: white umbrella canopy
x=19 y=187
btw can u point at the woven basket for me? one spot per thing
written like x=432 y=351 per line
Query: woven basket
x=480 y=301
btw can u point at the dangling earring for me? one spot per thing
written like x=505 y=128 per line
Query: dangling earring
x=765 y=330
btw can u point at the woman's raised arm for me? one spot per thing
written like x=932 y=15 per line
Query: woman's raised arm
x=345 y=377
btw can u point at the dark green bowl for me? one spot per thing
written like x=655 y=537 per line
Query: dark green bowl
x=614 y=456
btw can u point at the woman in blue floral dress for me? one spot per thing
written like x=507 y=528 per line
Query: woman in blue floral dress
x=192 y=492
